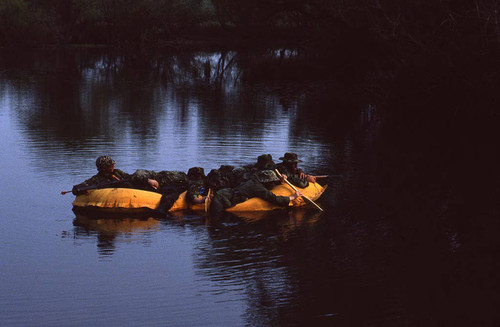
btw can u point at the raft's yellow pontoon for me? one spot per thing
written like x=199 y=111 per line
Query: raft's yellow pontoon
x=123 y=200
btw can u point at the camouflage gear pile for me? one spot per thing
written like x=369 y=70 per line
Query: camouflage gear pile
x=104 y=162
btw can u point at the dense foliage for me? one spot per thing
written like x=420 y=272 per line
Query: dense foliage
x=422 y=23
x=97 y=21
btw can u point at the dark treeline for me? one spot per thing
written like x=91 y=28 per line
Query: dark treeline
x=103 y=22
x=423 y=23
x=361 y=41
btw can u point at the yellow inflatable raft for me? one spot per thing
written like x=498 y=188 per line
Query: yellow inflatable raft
x=125 y=200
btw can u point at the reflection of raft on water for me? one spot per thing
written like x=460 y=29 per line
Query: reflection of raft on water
x=132 y=200
x=113 y=225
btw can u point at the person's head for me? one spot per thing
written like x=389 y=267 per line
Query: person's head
x=264 y=161
x=291 y=160
x=267 y=177
x=105 y=164
x=220 y=178
x=196 y=173
x=226 y=168
x=214 y=180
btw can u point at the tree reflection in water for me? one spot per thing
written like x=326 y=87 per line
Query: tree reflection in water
x=136 y=101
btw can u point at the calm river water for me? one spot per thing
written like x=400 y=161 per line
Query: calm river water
x=364 y=261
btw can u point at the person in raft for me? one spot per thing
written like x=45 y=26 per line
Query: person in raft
x=258 y=186
x=106 y=173
x=170 y=184
x=264 y=162
x=229 y=177
x=294 y=175
x=197 y=186
x=223 y=177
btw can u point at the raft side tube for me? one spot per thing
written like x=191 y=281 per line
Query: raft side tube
x=118 y=199
x=313 y=191
x=122 y=200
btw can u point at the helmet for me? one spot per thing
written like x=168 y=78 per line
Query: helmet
x=265 y=176
x=104 y=162
x=195 y=173
x=290 y=157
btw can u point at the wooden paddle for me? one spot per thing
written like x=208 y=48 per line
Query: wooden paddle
x=295 y=189
x=97 y=186
x=327 y=176
x=208 y=200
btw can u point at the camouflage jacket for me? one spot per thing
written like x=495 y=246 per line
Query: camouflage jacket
x=167 y=179
x=247 y=190
x=230 y=177
x=196 y=188
x=101 y=178
x=293 y=178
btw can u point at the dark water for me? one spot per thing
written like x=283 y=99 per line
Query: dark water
x=387 y=250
